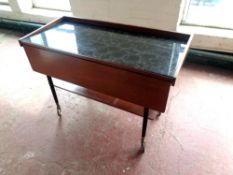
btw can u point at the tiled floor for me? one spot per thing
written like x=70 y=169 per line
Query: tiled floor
x=193 y=137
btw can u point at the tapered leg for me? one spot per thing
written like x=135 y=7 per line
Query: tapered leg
x=144 y=126
x=51 y=85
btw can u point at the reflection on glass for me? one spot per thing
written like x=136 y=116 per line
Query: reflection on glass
x=67 y=27
x=37 y=39
x=204 y=2
x=214 y=13
x=51 y=4
x=57 y=38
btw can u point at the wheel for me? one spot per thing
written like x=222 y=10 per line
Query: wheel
x=142 y=149
x=59 y=111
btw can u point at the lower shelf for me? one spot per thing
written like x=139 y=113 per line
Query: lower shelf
x=124 y=105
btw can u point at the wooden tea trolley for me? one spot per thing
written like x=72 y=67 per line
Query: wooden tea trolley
x=125 y=66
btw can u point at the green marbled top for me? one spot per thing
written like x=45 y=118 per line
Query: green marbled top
x=138 y=51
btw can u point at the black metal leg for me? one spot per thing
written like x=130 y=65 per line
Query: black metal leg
x=51 y=85
x=144 y=126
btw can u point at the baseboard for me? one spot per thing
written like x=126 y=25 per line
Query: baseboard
x=21 y=26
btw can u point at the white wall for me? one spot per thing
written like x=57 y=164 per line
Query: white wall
x=161 y=14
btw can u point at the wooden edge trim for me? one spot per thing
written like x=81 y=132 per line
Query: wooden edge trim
x=131 y=28
x=184 y=56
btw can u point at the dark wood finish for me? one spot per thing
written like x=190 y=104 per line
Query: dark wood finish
x=103 y=98
x=170 y=80
x=126 y=85
x=112 y=101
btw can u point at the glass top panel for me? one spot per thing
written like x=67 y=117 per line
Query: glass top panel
x=138 y=51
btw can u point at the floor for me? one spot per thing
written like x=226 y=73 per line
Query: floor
x=194 y=135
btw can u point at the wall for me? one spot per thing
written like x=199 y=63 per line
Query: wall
x=150 y=13
x=161 y=14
